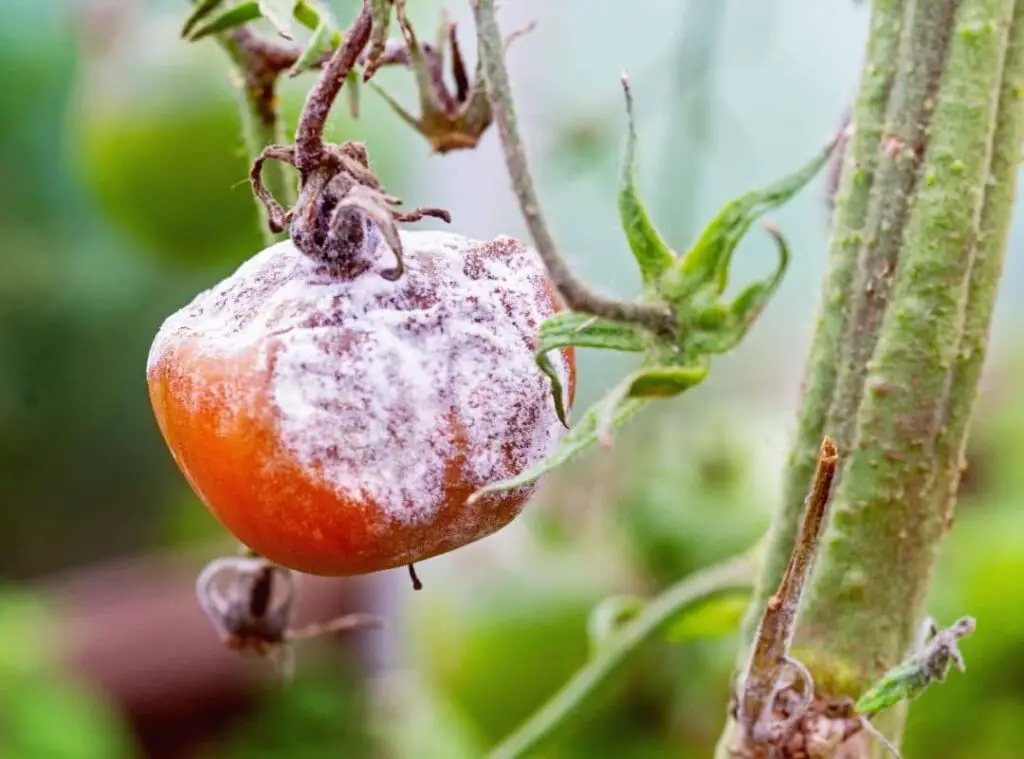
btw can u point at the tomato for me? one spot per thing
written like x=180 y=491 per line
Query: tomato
x=336 y=423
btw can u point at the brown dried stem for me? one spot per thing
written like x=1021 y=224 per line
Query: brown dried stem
x=309 y=137
x=578 y=296
x=764 y=679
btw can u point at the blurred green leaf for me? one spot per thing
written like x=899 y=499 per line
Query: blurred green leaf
x=325 y=38
x=201 y=10
x=279 y=13
x=719 y=616
x=232 y=18
x=44 y=714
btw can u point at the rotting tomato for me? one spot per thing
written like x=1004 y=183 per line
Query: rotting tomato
x=337 y=422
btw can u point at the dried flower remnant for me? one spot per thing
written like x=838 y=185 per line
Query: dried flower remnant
x=449 y=120
x=252 y=611
x=776 y=690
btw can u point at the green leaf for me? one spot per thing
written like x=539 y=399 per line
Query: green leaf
x=326 y=37
x=608 y=616
x=577 y=440
x=570 y=329
x=649 y=250
x=279 y=13
x=714 y=618
x=236 y=16
x=202 y=9
x=708 y=259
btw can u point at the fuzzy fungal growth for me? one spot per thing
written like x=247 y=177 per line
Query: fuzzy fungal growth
x=336 y=421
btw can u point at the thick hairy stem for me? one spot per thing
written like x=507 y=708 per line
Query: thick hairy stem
x=987 y=268
x=866 y=598
x=849 y=216
x=922 y=57
x=262 y=125
x=569 y=703
x=577 y=296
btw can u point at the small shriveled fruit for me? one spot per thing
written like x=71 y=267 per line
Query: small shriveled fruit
x=336 y=421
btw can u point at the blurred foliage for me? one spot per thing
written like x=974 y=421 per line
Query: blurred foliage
x=43 y=713
x=321 y=713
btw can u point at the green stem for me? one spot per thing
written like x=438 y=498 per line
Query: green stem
x=865 y=600
x=922 y=57
x=262 y=125
x=987 y=269
x=567 y=705
x=849 y=216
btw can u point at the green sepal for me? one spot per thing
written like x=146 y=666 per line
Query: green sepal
x=326 y=37
x=651 y=252
x=569 y=329
x=279 y=13
x=201 y=10
x=614 y=409
x=707 y=261
x=577 y=440
x=233 y=17
x=741 y=314
x=646 y=383
x=608 y=616
x=667 y=381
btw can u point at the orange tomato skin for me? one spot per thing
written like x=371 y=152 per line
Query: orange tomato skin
x=219 y=415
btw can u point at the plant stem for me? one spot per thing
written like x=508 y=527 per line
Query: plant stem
x=570 y=701
x=849 y=216
x=262 y=125
x=577 y=296
x=922 y=56
x=987 y=268
x=865 y=601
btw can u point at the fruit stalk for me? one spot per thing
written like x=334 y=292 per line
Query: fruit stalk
x=657 y=317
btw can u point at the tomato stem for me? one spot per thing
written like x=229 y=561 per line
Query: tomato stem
x=657 y=317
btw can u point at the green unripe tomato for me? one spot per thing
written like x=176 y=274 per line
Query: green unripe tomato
x=156 y=138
